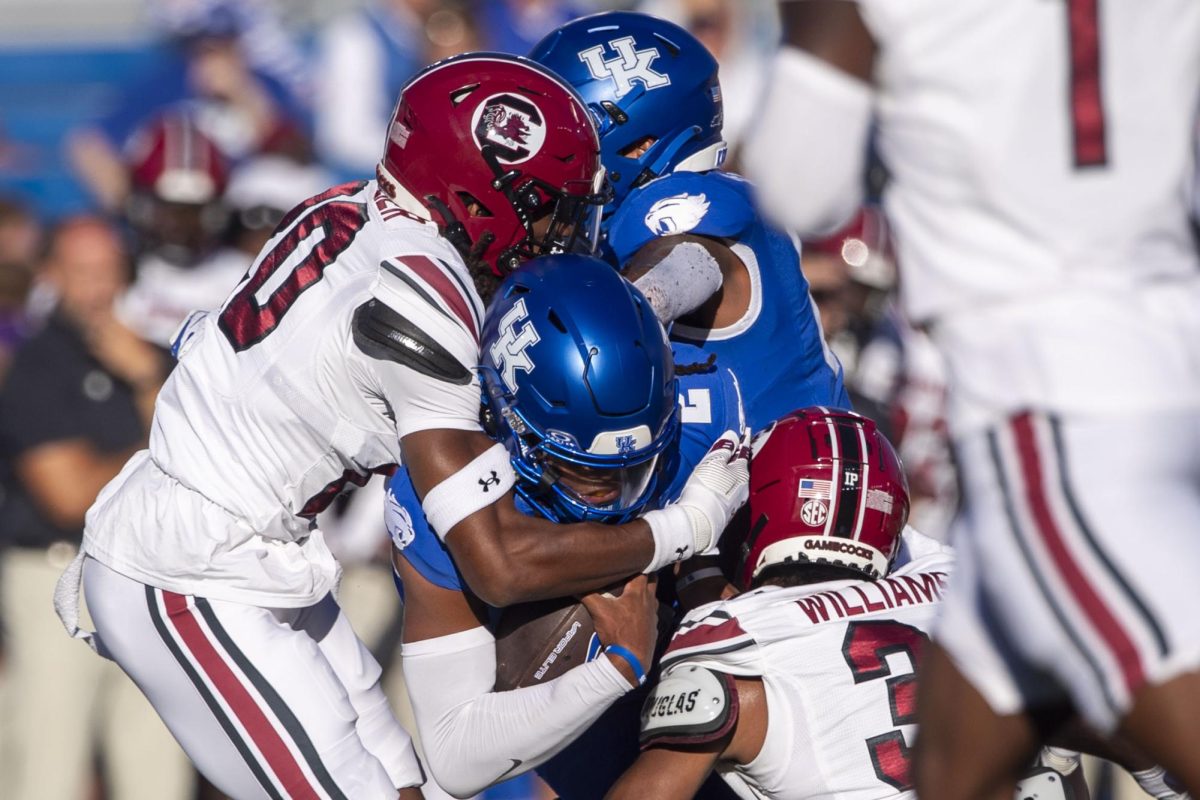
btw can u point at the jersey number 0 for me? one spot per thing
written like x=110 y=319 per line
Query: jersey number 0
x=324 y=227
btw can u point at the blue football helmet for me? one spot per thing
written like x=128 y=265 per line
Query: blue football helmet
x=644 y=79
x=579 y=384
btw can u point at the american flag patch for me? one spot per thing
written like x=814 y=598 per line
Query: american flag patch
x=814 y=488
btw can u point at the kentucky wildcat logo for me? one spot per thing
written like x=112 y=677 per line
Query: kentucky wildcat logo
x=676 y=214
x=629 y=65
x=510 y=124
x=509 y=352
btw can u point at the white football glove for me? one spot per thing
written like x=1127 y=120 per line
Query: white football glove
x=717 y=488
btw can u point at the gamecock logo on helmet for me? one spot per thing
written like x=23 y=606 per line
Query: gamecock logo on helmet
x=511 y=124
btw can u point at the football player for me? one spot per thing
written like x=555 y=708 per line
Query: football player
x=691 y=237
x=177 y=210
x=348 y=346
x=824 y=641
x=580 y=386
x=1042 y=225
x=805 y=685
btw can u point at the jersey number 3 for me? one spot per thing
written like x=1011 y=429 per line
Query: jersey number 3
x=324 y=226
x=866 y=648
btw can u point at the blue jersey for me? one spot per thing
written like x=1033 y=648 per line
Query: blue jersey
x=709 y=405
x=776 y=349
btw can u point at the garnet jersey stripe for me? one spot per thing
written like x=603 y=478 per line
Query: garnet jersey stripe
x=448 y=287
x=1094 y=607
x=202 y=688
x=1020 y=536
x=259 y=728
x=716 y=633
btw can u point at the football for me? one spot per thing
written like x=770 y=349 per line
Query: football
x=537 y=642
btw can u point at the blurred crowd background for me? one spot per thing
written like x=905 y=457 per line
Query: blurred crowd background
x=147 y=150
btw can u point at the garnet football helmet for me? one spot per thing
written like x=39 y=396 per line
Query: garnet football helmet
x=177 y=178
x=580 y=385
x=496 y=146
x=826 y=487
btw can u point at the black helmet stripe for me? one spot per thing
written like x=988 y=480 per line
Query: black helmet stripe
x=850 y=488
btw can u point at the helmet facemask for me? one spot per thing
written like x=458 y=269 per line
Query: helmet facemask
x=563 y=482
x=554 y=220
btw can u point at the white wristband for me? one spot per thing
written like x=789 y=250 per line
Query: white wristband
x=674 y=540
x=477 y=485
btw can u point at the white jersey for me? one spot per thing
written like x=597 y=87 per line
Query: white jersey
x=836 y=660
x=287 y=394
x=1042 y=156
x=1035 y=145
x=163 y=293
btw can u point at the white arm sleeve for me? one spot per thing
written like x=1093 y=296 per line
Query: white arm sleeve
x=808 y=153
x=473 y=736
x=681 y=281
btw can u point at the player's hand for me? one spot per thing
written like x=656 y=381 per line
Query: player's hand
x=123 y=353
x=627 y=616
x=717 y=488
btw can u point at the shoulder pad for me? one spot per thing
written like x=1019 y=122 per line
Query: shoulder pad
x=689 y=705
x=383 y=333
x=704 y=203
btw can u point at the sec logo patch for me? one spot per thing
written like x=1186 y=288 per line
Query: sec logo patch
x=813 y=513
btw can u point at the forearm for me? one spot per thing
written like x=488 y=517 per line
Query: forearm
x=508 y=557
x=547 y=560
x=145 y=397
x=473 y=736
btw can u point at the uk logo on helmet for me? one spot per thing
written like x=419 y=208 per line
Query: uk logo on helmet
x=626 y=444
x=628 y=66
x=512 y=125
x=509 y=350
